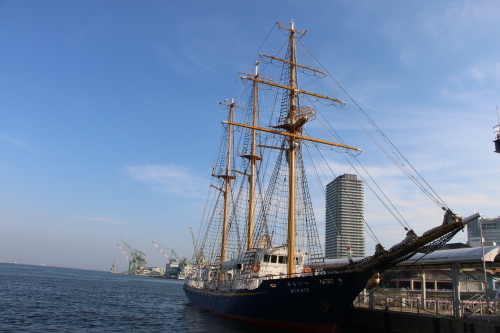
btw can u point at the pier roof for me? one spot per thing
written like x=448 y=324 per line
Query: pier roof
x=467 y=258
x=472 y=254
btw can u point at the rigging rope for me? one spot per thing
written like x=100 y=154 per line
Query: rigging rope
x=430 y=193
x=369 y=233
x=372 y=235
x=270 y=31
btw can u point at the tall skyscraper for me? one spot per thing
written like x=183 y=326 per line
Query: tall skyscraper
x=345 y=217
x=491 y=231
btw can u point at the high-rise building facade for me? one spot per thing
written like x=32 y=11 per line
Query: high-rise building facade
x=344 y=219
x=491 y=230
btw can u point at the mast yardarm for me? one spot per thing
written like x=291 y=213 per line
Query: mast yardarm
x=292 y=26
x=286 y=61
x=295 y=136
x=294 y=89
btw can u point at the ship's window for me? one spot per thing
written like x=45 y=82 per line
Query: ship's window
x=282 y=259
x=274 y=259
x=266 y=257
x=297 y=261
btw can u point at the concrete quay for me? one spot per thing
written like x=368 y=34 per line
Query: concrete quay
x=387 y=321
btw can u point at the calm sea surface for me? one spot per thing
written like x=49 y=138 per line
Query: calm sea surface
x=51 y=299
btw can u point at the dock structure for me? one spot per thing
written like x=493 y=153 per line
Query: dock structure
x=387 y=321
x=467 y=262
x=419 y=303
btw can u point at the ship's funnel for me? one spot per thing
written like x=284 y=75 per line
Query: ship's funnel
x=471 y=218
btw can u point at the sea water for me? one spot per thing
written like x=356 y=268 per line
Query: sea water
x=52 y=299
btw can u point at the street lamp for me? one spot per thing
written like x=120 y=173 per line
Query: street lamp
x=480 y=222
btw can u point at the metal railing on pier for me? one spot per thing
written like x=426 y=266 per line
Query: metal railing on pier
x=476 y=305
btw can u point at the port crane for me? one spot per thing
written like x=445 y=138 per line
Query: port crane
x=138 y=262
x=121 y=249
x=159 y=249
x=174 y=260
x=112 y=270
x=198 y=255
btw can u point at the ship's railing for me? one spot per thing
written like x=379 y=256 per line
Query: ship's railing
x=244 y=282
x=239 y=283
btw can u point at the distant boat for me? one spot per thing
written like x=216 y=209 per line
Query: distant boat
x=112 y=270
x=260 y=258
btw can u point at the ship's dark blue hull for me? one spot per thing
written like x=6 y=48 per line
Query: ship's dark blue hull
x=309 y=303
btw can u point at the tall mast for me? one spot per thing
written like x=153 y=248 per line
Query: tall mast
x=291 y=128
x=253 y=161
x=292 y=148
x=227 y=184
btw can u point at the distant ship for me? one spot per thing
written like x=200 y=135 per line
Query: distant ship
x=259 y=258
x=112 y=269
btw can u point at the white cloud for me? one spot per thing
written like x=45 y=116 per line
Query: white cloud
x=477 y=80
x=463 y=19
x=442 y=30
x=101 y=219
x=486 y=71
x=13 y=141
x=173 y=178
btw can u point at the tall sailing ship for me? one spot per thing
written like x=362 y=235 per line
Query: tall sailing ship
x=259 y=257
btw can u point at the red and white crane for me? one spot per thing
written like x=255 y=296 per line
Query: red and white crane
x=126 y=256
x=159 y=249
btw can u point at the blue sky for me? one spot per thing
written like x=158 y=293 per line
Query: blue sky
x=109 y=118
